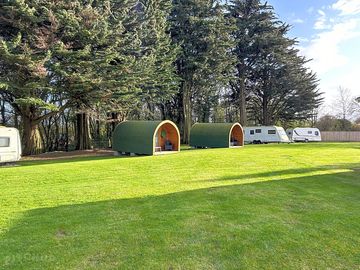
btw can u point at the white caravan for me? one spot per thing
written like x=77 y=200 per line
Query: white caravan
x=265 y=134
x=10 y=145
x=304 y=134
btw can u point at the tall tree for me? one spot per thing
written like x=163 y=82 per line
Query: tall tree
x=253 y=22
x=81 y=55
x=159 y=81
x=204 y=61
x=285 y=90
x=26 y=35
x=83 y=52
x=151 y=78
x=272 y=81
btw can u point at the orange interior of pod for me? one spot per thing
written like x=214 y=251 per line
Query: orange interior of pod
x=237 y=136
x=167 y=138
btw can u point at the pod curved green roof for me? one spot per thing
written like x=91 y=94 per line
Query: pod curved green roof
x=212 y=135
x=137 y=136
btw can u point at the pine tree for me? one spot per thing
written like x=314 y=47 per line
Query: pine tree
x=283 y=89
x=253 y=22
x=159 y=82
x=150 y=79
x=272 y=81
x=204 y=62
x=84 y=30
x=86 y=52
x=26 y=36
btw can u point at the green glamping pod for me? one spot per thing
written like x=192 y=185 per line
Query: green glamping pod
x=146 y=137
x=216 y=135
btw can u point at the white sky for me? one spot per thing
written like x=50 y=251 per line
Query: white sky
x=328 y=32
x=335 y=47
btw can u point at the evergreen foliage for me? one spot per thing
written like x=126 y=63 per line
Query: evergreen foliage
x=272 y=82
x=204 y=63
x=71 y=70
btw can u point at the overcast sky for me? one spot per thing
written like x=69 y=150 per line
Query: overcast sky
x=329 y=33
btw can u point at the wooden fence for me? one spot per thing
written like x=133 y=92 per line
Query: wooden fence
x=340 y=136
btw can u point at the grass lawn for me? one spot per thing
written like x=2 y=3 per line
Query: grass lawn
x=260 y=207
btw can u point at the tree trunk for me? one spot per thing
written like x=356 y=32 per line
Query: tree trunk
x=57 y=134
x=151 y=108
x=83 y=138
x=187 y=113
x=162 y=111
x=46 y=134
x=66 y=133
x=115 y=121
x=16 y=121
x=98 y=128
x=3 y=113
x=242 y=102
x=31 y=137
x=265 y=113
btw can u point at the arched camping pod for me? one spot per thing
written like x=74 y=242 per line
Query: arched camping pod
x=216 y=135
x=146 y=137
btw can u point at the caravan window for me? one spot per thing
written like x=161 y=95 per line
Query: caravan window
x=316 y=133
x=251 y=132
x=272 y=131
x=309 y=132
x=4 y=141
x=258 y=130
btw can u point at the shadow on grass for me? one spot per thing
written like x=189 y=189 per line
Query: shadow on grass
x=305 y=222
x=344 y=166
